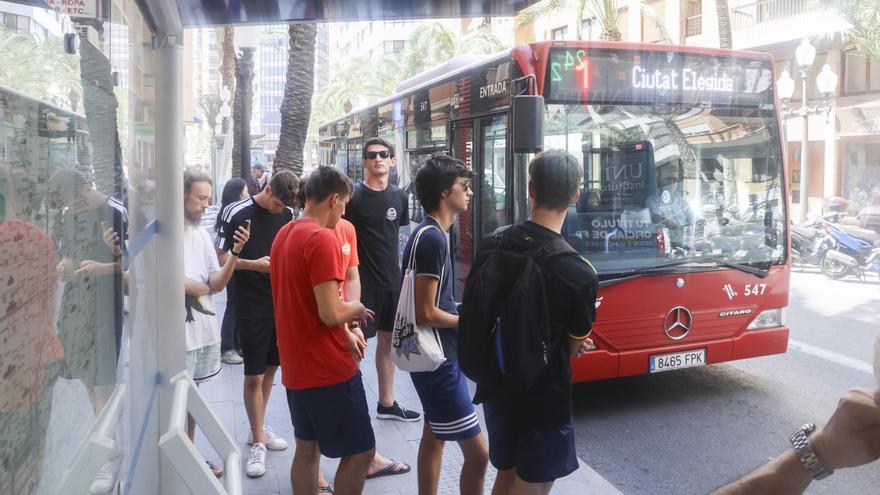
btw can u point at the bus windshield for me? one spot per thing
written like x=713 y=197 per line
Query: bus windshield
x=682 y=157
x=671 y=182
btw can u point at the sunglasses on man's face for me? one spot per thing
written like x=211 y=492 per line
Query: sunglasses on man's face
x=371 y=155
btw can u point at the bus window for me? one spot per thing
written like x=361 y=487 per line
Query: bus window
x=355 y=160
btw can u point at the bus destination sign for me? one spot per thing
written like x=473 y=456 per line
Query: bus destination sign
x=631 y=77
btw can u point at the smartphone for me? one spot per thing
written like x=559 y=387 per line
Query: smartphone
x=104 y=228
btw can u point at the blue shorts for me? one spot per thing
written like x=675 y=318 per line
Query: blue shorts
x=539 y=455
x=335 y=416
x=447 y=402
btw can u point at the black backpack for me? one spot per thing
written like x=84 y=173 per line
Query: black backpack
x=504 y=323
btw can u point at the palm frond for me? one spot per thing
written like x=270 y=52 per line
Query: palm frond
x=865 y=33
x=543 y=8
x=658 y=23
x=607 y=12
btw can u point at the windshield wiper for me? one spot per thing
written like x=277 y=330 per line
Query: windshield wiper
x=614 y=278
x=760 y=271
x=662 y=268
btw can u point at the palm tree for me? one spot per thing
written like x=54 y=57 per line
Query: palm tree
x=296 y=106
x=243 y=98
x=39 y=68
x=226 y=38
x=210 y=106
x=429 y=45
x=865 y=33
x=606 y=12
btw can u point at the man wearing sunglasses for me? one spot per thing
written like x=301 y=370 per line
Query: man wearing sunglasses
x=377 y=210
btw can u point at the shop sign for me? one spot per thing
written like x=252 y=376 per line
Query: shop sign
x=75 y=8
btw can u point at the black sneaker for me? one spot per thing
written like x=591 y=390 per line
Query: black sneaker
x=397 y=413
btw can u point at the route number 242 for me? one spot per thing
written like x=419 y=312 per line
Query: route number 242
x=755 y=289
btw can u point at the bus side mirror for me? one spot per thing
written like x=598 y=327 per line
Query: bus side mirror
x=528 y=123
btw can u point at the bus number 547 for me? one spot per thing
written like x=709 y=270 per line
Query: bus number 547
x=755 y=290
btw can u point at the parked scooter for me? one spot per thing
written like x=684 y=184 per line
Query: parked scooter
x=854 y=251
x=810 y=242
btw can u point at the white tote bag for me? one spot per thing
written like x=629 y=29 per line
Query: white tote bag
x=415 y=347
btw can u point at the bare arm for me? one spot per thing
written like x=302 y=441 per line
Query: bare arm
x=195 y=287
x=427 y=312
x=259 y=265
x=353 y=284
x=783 y=475
x=331 y=309
x=217 y=281
x=850 y=438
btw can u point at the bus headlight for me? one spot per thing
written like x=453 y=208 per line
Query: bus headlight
x=768 y=319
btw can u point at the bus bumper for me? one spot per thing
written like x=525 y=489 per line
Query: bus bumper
x=603 y=364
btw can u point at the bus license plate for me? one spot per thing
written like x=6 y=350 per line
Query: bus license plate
x=678 y=360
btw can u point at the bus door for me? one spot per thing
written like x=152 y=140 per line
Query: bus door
x=355 y=168
x=481 y=144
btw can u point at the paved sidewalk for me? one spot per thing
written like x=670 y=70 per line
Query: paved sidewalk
x=397 y=440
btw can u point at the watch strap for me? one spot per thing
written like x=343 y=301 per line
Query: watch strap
x=806 y=454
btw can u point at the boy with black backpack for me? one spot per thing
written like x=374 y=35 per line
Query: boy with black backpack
x=528 y=306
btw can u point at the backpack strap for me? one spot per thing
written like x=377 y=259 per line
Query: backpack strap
x=412 y=254
x=500 y=236
x=542 y=254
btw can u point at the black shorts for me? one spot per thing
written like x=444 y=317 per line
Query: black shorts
x=259 y=346
x=384 y=304
x=335 y=416
x=540 y=455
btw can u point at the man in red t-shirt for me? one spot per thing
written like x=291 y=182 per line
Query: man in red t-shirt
x=346 y=236
x=325 y=392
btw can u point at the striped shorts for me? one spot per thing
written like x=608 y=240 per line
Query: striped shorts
x=447 y=403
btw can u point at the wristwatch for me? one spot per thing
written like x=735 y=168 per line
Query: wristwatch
x=806 y=454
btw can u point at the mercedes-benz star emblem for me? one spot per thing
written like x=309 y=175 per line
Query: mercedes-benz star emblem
x=678 y=323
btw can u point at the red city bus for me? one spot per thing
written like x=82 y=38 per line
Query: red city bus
x=683 y=209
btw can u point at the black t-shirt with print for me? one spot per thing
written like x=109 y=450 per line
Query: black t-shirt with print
x=252 y=296
x=571 y=292
x=377 y=217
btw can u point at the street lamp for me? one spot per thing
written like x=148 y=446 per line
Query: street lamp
x=826 y=82
x=248 y=39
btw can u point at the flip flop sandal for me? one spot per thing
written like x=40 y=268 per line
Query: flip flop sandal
x=390 y=470
x=218 y=471
x=325 y=489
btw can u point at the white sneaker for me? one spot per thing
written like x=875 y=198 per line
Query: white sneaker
x=231 y=357
x=104 y=480
x=273 y=441
x=256 y=463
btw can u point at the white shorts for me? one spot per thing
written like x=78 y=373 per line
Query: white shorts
x=203 y=363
